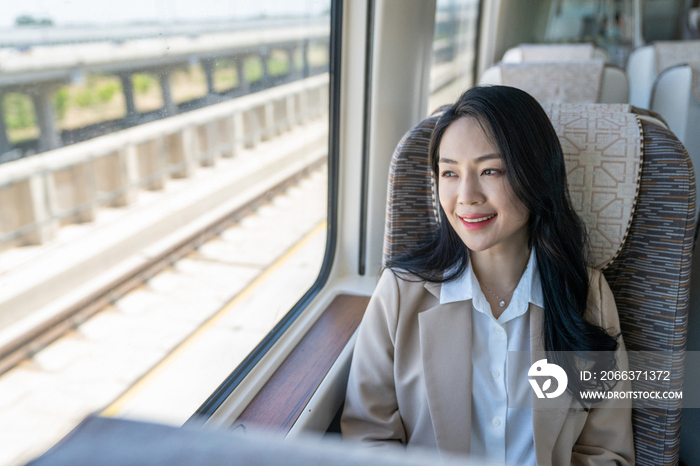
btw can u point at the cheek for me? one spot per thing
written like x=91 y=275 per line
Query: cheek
x=445 y=199
x=518 y=211
x=514 y=205
x=522 y=210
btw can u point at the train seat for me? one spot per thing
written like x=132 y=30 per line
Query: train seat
x=553 y=52
x=584 y=81
x=676 y=97
x=646 y=63
x=641 y=241
x=666 y=80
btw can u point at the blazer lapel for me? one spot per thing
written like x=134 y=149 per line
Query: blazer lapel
x=548 y=414
x=445 y=339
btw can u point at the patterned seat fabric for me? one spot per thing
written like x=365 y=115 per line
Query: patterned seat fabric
x=648 y=272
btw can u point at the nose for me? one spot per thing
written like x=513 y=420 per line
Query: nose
x=470 y=192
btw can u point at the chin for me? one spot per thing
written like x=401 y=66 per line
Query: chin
x=479 y=249
x=476 y=246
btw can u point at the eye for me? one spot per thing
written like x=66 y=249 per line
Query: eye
x=491 y=172
x=448 y=174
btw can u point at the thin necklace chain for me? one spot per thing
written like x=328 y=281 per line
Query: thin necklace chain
x=502 y=302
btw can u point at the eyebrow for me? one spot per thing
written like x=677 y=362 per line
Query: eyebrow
x=483 y=158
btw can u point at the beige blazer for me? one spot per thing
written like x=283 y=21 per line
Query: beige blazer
x=410 y=380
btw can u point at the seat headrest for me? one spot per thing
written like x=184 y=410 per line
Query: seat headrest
x=556 y=52
x=668 y=54
x=671 y=53
x=574 y=81
x=602 y=146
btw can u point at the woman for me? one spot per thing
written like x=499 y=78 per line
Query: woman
x=505 y=272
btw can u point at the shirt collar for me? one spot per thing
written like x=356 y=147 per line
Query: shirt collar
x=529 y=289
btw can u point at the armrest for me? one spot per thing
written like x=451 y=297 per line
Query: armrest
x=283 y=398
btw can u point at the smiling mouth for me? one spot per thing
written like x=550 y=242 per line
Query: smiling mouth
x=478 y=220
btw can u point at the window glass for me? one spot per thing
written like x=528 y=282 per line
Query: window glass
x=663 y=19
x=163 y=197
x=454 y=50
x=609 y=25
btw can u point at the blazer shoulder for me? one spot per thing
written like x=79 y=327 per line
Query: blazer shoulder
x=601 y=303
x=411 y=293
x=408 y=282
x=597 y=286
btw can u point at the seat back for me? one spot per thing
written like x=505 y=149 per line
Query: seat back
x=648 y=263
x=553 y=52
x=646 y=63
x=641 y=69
x=585 y=81
x=676 y=97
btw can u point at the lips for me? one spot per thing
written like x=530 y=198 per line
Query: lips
x=476 y=221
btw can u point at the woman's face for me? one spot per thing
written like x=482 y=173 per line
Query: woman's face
x=474 y=191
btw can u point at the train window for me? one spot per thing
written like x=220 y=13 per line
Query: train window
x=163 y=201
x=454 y=50
x=581 y=20
x=617 y=27
x=663 y=19
x=610 y=25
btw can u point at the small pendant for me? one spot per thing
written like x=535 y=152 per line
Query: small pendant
x=502 y=303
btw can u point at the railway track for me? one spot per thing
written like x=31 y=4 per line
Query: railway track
x=49 y=331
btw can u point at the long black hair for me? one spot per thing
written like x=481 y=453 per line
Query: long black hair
x=517 y=125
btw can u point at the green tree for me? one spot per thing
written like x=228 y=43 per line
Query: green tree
x=85 y=97
x=277 y=65
x=27 y=20
x=253 y=69
x=106 y=92
x=142 y=82
x=61 y=101
x=19 y=111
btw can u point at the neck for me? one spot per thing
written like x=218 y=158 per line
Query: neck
x=501 y=268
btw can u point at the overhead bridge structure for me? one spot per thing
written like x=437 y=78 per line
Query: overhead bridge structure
x=40 y=70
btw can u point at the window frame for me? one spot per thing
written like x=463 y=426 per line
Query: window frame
x=226 y=388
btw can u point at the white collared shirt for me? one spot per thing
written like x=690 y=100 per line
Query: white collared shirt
x=500 y=434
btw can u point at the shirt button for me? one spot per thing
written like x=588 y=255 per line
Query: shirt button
x=496 y=422
x=495 y=374
x=499 y=330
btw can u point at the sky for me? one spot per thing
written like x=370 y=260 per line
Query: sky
x=65 y=12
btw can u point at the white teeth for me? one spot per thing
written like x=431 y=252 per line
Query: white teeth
x=477 y=220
